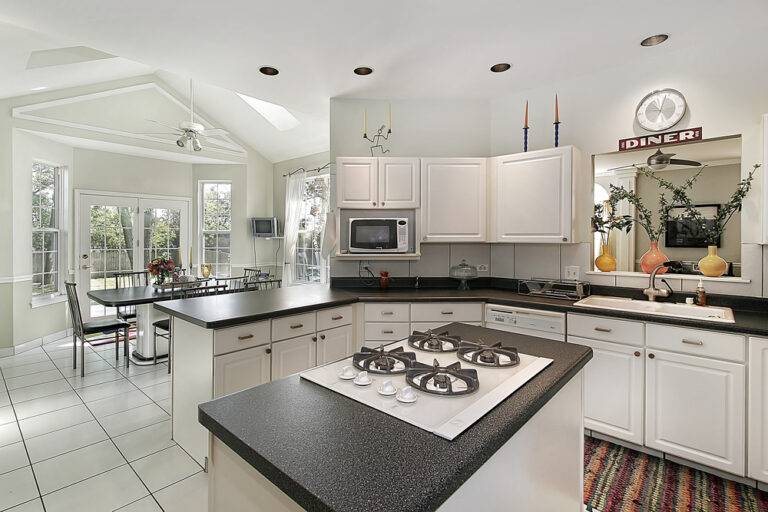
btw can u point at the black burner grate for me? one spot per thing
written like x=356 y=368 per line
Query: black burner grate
x=378 y=360
x=490 y=356
x=434 y=342
x=449 y=380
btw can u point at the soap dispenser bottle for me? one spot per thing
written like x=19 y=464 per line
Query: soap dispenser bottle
x=701 y=294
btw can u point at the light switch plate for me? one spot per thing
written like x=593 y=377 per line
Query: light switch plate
x=572 y=273
x=482 y=267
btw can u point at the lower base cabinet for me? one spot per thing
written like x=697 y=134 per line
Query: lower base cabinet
x=335 y=344
x=293 y=355
x=695 y=409
x=613 y=389
x=241 y=370
x=757 y=400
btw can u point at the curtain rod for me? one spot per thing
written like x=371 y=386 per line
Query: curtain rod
x=318 y=169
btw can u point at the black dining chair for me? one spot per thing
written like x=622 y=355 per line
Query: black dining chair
x=80 y=329
x=233 y=284
x=129 y=280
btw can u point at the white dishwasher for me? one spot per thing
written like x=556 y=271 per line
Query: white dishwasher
x=532 y=322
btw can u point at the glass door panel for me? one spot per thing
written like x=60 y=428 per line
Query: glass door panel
x=165 y=230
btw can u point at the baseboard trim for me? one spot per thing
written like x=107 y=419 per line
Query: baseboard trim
x=56 y=336
x=39 y=342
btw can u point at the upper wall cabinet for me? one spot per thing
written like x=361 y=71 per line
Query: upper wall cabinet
x=537 y=197
x=377 y=182
x=453 y=203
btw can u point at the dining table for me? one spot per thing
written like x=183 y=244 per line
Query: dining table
x=143 y=298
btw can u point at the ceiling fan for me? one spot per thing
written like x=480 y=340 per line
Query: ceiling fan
x=190 y=131
x=659 y=161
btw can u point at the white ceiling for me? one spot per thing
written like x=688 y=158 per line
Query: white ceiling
x=419 y=49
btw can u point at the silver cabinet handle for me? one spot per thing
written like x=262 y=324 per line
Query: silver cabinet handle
x=385 y=313
x=693 y=342
x=337 y=317
x=387 y=332
x=446 y=312
x=297 y=326
x=602 y=329
x=246 y=337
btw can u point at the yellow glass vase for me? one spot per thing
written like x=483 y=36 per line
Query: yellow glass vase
x=712 y=265
x=605 y=262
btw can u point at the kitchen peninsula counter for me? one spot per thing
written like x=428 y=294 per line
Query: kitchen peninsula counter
x=327 y=452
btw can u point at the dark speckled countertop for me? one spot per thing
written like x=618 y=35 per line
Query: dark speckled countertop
x=238 y=308
x=325 y=451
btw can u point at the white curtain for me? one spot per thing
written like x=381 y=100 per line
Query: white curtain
x=328 y=244
x=294 y=196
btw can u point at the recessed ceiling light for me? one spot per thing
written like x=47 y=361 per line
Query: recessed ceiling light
x=268 y=70
x=277 y=115
x=654 y=40
x=363 y=70
x=41 y=88
x=501 y=67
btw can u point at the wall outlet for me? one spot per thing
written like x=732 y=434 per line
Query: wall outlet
x=482 y=267
x=572 y=273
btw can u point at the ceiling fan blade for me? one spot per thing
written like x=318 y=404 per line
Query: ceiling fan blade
x=692 y=163
x=622 y=167
x=166 y=125
x=213 y=132
x=158 y=133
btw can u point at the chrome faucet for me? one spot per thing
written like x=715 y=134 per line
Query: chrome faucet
x=652 y=292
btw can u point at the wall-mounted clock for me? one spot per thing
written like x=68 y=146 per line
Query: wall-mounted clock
x=660 y=110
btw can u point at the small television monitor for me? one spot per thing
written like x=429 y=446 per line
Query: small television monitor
x=682 y=232
x=264 y=227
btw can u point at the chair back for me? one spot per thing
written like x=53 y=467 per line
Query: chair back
x=74 y=309
x=202 y=291
x=232 y=284
x=251 y=274
x=131 y=279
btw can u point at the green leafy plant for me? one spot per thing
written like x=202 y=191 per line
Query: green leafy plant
x=644 y=217
x=714 y=227
x=603 y=220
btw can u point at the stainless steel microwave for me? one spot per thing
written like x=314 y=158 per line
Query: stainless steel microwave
x=370 y=235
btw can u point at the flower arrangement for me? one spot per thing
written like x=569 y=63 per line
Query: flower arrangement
x=162 y=267
x=603 y=220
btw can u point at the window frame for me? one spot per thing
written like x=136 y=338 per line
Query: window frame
x=201 y=232
x=60 y=213
x=322 y=265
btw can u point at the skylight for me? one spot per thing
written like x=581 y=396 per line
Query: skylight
x=277 y=115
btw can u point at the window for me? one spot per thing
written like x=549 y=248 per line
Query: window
x=216 y=226
x=310 y=266
x=45 y=229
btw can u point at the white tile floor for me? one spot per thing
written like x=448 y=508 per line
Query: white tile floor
x=98 y=443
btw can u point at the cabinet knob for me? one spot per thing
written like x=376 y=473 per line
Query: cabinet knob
x=322 y=336
x=374 y=203
x=565 y=239
x=637 y=353
x=314 y=338
x=268 y=351
x=651 y=356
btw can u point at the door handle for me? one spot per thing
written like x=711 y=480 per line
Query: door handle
x=297 y=326
x=602 y=329
x=85 y=267
x=385 y=313
x=446 y=312
x=387 y=332
x=246 y=337
x=337 y=317
x=693 y=342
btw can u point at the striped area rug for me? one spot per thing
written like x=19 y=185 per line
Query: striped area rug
x=617 y=479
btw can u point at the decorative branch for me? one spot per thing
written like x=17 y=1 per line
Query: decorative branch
x=603 y=220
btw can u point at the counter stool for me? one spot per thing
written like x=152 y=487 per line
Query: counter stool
x=163 y=325
x=80 y=329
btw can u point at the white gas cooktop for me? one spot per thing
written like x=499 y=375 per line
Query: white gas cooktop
x=445 y=416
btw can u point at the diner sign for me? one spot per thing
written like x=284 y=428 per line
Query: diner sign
x=660 y=139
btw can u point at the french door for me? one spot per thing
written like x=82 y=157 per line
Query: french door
x=119 y=233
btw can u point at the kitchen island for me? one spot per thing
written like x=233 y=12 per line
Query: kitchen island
x=293 y=445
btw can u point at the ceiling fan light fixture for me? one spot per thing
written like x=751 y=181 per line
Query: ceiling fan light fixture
x=269 y=70
x=501 y=67
x=363 y=70
x=196 y=144
x=181 y=141
x=654 y=40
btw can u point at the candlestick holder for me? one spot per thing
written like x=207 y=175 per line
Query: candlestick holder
x=525 y=139
x=376 y=140
x=557 y=133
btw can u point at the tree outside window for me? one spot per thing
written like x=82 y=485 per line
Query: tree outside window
x=216 y=226
x=45 y=229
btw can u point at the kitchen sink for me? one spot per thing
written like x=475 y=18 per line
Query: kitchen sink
x=689 y=311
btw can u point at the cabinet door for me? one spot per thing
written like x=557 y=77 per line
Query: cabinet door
x=241 y=370
x=293 y=355
x=613 y=390
x=757 y=400
x=695 y=409
x=453 y=199
x=335 y=344
x=532 y=201
x=356 y=182
x=399 y=183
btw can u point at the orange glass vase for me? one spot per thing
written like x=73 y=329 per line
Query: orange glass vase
x=653 y=257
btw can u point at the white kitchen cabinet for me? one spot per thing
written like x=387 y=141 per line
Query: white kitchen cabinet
x=695 y=409
x=613 y=389
x=533 y=194
x=453 y=199
x=367 y=183
x=757 y=410
x=241 y=370
x=293 y=355
x=335 y=344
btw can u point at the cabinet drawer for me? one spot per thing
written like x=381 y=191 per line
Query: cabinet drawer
x=240 y=337
x=697 y=342
x=386 y=331
x=387 y=312
x=334 y=317
x=606 y=329
x=448 y=311
x=292 y=326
